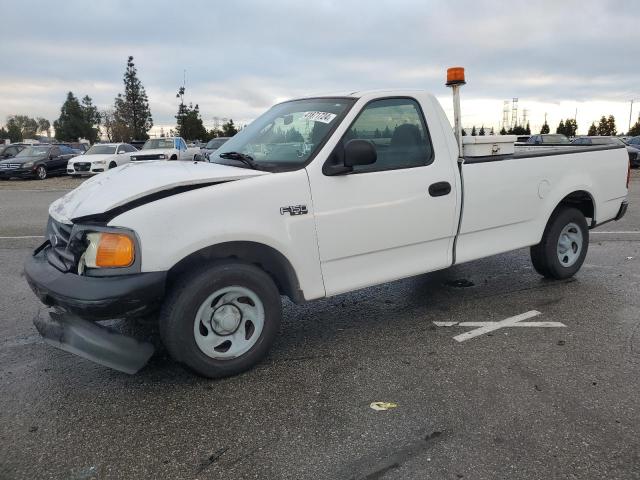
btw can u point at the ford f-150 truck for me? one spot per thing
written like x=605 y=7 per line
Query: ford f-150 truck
x=316 y=197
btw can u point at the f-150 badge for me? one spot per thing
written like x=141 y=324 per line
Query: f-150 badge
x=294 y=210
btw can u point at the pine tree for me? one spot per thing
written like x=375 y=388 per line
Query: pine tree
x=593 y=130
x=561 y=128
x=481 y=132
x=77 y=120
x=611 y=123
x=603 y=126
x=131 y=108
x=635 y=129
x=545 y=128
x=527 y=131
x=229 y=129
x=473 y=131
x=503 y=131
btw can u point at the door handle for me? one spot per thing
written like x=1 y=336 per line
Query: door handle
x=439 y=189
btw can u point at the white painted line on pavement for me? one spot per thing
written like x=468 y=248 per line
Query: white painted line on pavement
x=486 y=327
x=626 y=232
x=21 y=237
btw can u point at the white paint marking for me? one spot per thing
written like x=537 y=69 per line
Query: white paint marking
x=486 y=327
x=21 y=237
x=626 y=232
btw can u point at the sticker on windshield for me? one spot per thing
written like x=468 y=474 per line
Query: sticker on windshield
x=324 y=117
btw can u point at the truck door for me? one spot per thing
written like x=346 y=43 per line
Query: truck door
x=391 y=219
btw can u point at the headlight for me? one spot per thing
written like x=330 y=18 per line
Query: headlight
x=108 y=250
x=27 y=164
x=162 y=156
x=100 y=162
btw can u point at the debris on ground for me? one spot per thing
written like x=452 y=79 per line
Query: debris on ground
x=379 y=406
x=460 y=283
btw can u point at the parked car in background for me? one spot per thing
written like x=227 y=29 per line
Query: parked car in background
x=99 y=158
x=632 y=150
x=212 y=145
x=634 y=141
x=523 y=138
x=10 y=151
x=137 y=143
x=169 y=148
x=549 y=138
x=37 y=161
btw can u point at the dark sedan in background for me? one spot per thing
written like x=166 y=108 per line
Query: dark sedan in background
x=37 y=161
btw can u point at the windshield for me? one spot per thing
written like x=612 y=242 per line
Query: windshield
x=33 y=151
x=555 y=139
x=606 y=141
x=215 y=143
x=158 y=143
x=101 y=150
x=288 y=134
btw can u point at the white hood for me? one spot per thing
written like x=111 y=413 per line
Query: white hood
x=92 y=158
x=131 y=181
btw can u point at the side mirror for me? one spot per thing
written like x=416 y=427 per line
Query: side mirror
x=120 y=152
x=355 y=152
x=359 y=152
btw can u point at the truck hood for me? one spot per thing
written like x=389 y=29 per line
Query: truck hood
x=133 y=182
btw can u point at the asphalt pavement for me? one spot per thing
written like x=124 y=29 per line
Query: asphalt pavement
x=514 y=403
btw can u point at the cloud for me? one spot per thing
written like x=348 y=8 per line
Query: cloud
x=242 y=56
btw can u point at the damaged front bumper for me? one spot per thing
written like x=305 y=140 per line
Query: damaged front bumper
x=92 y=341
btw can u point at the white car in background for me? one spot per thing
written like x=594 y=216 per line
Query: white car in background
x=167 y=148
x=99 y=158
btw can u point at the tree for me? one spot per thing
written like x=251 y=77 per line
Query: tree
x=545 y=128
x=3 y=134
x=593 y=131
x=635 y=129
x=606 y=126
x=527 y=130
x=464 y=132
x=517 y=130
x=13 y=131
x=190 y=124
x=131 y=108
x=77 y=120
x=229 y=129
x=503 y=131
x=44 y=125
x=561 y=128
x=481 y=132
x=28 y=126
x=114 y=129
x=570 y=127
x=473 y=131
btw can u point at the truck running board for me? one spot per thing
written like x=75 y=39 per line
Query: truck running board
x=92 y=341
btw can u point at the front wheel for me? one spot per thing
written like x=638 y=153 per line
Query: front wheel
x=564 y=245
x=41 y=172
x=222 y=319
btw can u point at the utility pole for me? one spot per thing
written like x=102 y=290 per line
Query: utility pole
x=630 y=113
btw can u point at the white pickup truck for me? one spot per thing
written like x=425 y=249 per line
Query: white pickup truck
x=166 y=148
x=316 y=197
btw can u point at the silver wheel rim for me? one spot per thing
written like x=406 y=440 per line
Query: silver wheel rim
x=569 y=244
x=42 y=173
x=228 y=323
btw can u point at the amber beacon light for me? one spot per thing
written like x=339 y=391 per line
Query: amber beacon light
x=455 y=76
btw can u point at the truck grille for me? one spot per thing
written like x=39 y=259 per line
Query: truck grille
x=7 y=166
x=64 y=250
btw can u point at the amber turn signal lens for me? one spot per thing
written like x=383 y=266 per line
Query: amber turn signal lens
x=115 y=250
x=455 y=75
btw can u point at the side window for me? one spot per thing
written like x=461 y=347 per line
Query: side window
x=55 y=151
x=397 y=129
x=183 y=146
x=121 y=149
x=130 y=148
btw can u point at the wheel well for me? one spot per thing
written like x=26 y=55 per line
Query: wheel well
x=267 y=258
x=174 y=157
x=581 y=200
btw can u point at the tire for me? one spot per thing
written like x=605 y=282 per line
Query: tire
x=41 y=172
x=112 y=165
x=210 y=291
x=564 y=245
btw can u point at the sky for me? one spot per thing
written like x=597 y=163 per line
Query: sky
x=242 y=56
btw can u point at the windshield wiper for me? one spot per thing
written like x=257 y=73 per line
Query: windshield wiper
x=246 y=159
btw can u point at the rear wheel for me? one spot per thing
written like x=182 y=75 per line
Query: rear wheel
x=221 y=320
x=564 y=244
x=41 y=172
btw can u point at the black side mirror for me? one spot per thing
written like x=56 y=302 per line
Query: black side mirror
x=359 y=152
x=355 y=152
